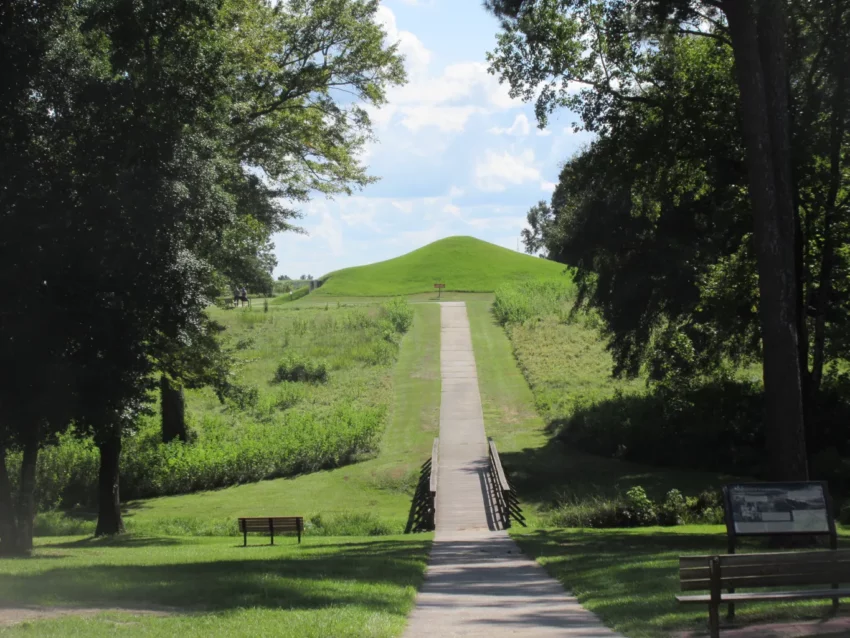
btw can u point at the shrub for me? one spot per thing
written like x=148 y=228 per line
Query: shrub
x=638 y=510
x=297 y=369
x=517 y=303
x=635 y=509
x=349 y=524
x=239 y=397
x=399 y=314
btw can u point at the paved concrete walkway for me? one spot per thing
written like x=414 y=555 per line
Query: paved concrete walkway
x=478 y=583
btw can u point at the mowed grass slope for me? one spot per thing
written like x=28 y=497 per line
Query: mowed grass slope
x=464 y=264
x=369 y=497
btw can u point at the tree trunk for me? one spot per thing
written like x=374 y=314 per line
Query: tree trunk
x=173 y=411
x=25 y=510
x=108 y=499
x=766 y=139
x=8 y=525
x=836 y=141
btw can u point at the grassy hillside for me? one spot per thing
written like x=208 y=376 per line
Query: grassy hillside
x=462 y=263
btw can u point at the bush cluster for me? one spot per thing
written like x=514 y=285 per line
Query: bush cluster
x=636 y=509
x=517 y=303
x=399 y=314
x=305 y=421
x=304 y=442
x=296 y=368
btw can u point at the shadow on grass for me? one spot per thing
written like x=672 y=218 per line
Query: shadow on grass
x=299 y=577
x=630 y=579
x=543 y=475
x=130 y=540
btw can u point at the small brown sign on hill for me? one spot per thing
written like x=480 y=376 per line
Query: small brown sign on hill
x=439 y=288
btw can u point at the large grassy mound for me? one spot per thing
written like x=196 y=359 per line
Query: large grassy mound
x=464 y=264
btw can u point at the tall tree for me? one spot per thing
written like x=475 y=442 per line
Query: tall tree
x=145 y=125
x=546 y=49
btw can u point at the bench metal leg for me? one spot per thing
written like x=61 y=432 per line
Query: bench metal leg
x=714 y=621
x=245 y=540
x=714 y=605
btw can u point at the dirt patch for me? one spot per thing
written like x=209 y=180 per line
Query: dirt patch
x=16 y=615
x=832 y=628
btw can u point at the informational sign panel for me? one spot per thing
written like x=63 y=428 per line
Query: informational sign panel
x=778 y=508
x=439 y=285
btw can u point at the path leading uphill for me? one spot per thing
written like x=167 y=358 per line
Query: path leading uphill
x=478 y=583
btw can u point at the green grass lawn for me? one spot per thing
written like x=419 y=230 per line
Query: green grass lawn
x=630 y=577
x=163 y=586
x=370 y=496
x=330 y=301
x=464 y=264
x=543 y=469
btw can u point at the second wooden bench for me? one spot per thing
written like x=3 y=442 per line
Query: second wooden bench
x=822 y=570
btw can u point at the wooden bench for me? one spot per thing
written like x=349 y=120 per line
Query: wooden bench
x=272 y=524
x=822 y=570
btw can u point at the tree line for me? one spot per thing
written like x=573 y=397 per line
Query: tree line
x=148 y=151
x=708 y=222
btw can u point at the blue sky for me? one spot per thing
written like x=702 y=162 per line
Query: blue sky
x=455 y=154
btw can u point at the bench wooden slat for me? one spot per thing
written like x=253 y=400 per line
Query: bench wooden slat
x=777 y=558
x=808 y=594
x=774 y=580
x=272 y=525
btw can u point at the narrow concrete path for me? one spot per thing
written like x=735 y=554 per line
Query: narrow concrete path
x=478 y=583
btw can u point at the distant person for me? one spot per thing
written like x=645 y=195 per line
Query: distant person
x=243 y=295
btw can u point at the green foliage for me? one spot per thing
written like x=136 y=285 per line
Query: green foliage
x=298 y=293
x=517 y=303
x=399 y=315
x=309 y=419
x=296 y=368
x=635 y=509
x=464 y=264
x=152 y=140
x=349 y=524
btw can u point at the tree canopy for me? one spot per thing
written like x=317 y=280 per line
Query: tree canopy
x=704 y=220
x=149 y=150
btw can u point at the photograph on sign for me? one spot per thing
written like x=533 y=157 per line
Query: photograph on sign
x=779 y=508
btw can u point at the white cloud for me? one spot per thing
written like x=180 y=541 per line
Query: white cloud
x=361 y=219
x=548 y=186
x=457 y=81
x=544 y=132
x=520 y=127
x=404 y=207
x=454 y=191
x=445 y=118
x=416 y=56
x=451 y=209
x=496 y=169
x=447 y=100
x=330 y=231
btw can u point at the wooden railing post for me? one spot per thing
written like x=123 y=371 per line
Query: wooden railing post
x=432 y=488
x=506 y=500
